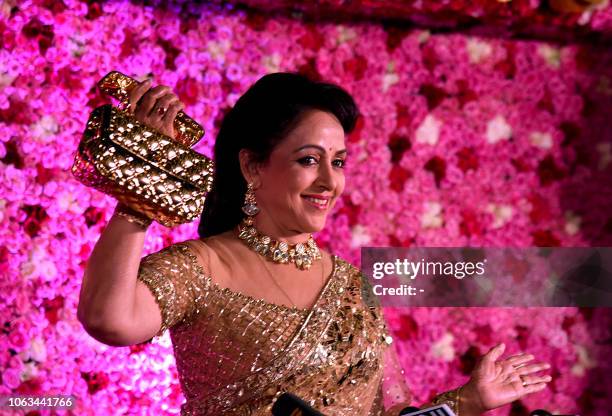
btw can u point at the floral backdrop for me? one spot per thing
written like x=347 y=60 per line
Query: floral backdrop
x=463 y=140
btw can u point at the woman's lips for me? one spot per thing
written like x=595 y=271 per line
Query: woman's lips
x=320 y=204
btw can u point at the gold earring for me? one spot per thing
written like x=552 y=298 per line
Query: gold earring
x=250 y=207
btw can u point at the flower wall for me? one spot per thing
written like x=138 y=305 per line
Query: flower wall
x=464 y=140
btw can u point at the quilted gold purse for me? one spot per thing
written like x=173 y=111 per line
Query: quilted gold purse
x=149 y=172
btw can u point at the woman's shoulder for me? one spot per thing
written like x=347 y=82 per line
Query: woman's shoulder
x=211 y=254
x=342 y=262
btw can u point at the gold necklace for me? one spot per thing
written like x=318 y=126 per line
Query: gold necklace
x=300 y=254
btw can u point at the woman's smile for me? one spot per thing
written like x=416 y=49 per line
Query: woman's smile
x=319 y=202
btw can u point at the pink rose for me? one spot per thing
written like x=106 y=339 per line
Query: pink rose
x=11 y=378
x=17 y=339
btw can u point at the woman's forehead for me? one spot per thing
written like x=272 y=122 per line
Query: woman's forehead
x=317 y=130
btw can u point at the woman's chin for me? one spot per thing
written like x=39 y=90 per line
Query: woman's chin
x=315 y=227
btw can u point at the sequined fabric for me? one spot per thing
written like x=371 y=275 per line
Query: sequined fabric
x=236 y=354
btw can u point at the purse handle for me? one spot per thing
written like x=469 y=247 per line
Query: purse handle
x=118 y=85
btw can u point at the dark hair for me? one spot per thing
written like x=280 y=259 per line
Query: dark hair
x=260 y=119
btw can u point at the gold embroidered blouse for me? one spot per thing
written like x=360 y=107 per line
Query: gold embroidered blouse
x=236 y=354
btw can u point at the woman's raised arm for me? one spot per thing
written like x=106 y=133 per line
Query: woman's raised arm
x=114 y=307
x=110 y=290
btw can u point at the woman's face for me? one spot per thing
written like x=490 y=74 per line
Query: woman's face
x=303 y=178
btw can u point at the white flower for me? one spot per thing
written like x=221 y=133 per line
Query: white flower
x=29 y=371
x=77 y=45
x=68 y=201
x=478 y=50
x=443 y=348
x=47 y=270
x=345 y=34
x=271 y=62
x=432 y=215
x=429 y=130
x=38 y=350
x=359 y=237
x=164 y=340
x=584 y=361
x=551 y=55
x=217 y=50
x=45 y=128
x=389 y=80
x=540 y=139
x=38 y=264
x=572 y=223
x=498 y=129
x=423 y=36
x=501 y=214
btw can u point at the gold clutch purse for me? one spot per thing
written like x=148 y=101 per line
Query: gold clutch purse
x=160 y=177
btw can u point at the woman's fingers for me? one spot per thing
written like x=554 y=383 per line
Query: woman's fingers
x=519 y=359
x=168 y=119
x=155 y=107
x=494 y=353
x=533 y=379
x=136 y=94
x=146 y=103
x=532 y=368
x=173 y=110
x=162 y=103
x=532 y=388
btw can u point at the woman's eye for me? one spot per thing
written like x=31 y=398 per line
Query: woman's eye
x=308 y=160
x=311 y=160
x=341 y=163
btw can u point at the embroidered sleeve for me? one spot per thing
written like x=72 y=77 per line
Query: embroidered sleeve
x=176 y=281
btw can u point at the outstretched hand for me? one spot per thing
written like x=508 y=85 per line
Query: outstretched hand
x=496 y=383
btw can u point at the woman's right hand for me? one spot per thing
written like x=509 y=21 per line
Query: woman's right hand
x=155 y=107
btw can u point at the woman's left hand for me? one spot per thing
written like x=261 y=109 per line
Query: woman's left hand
x=495 y=383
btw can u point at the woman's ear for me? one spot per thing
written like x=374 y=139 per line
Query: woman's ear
x=249 y=168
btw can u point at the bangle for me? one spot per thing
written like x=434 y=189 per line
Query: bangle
x=132 y=216
x=450 y=398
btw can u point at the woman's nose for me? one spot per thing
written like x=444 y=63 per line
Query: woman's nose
x=327 y=176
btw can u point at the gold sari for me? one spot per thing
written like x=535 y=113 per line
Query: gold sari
x=236 y=354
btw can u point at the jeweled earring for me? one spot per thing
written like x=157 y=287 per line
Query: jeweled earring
x=250 y=207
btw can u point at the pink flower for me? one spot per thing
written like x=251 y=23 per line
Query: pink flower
x=17 y=339
x=11 y=378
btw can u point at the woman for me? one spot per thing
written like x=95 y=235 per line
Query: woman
x=254 y=307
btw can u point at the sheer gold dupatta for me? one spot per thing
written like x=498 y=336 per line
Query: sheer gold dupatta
x=333 y=361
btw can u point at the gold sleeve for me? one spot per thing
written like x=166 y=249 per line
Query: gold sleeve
x=176 y=281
